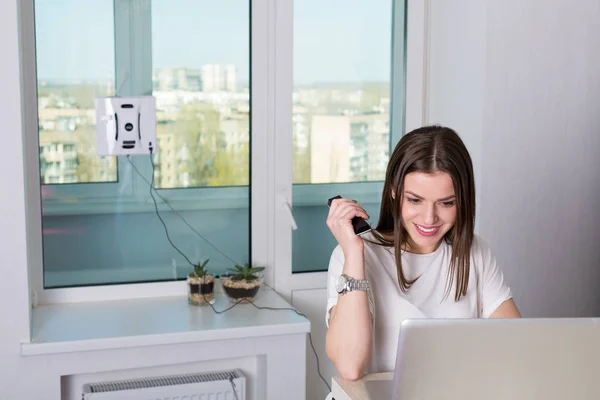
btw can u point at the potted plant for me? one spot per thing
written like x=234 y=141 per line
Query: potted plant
x=243 y=283
x=201 y=285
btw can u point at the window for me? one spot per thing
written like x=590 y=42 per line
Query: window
x=341 y=115
x=99 y=222
x=316 y=118
x=202 y=90
x=68 y=83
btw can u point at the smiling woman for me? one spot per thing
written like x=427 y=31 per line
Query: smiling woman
x=433 y=162
x=422 y=259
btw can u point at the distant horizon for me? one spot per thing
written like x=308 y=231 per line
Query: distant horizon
x=73 y=82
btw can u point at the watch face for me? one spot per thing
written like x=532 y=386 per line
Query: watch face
x=341 y=283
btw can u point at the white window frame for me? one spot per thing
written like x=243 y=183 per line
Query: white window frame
x=139 y=56
x=83 y=198
x=271 y=151
x=409 y=87
x=133 y=52
x=94 y=193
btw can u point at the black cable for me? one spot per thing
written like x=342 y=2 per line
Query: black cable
x=278 y=309
x=233 y=387
x=158 y=214
x=309 y=335
x=178 y=214
x=238 y=302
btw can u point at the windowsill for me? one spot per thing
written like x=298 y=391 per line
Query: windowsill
x=77 y=327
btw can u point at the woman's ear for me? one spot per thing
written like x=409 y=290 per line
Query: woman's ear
x=393 y=194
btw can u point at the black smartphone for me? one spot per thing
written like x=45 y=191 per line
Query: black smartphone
x=360 y=225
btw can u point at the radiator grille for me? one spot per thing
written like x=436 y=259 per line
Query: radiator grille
x=173 y=380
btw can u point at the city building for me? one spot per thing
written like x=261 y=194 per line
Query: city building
x=348 y=148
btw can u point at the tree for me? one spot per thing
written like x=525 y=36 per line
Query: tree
x=211 y=160
x=232 y=167
x=300 y=162
x=196 y=128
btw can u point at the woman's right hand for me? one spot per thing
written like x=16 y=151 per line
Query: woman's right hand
x=348 y=341
x=339 y=222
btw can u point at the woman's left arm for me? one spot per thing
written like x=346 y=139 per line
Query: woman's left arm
x=508 y=309
x=496 y=296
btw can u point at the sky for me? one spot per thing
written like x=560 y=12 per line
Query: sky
x=334 y=40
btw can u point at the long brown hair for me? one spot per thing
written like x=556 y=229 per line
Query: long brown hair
x=431 y=149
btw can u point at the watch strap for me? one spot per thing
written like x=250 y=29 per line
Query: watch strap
x=358 y=284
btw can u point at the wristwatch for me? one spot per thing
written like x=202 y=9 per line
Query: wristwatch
x=348 y=284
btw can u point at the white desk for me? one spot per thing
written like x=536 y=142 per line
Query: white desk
x=342 y=389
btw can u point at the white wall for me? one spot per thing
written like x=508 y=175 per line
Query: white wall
x=457 y=72
x=520 y=81
x=541 y=169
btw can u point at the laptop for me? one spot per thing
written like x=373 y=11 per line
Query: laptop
x=493 y=359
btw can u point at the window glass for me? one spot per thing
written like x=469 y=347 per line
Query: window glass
x=94 y=235
x=341 y=115
x=69 y=78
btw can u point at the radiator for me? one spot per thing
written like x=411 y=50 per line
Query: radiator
x=201 y=386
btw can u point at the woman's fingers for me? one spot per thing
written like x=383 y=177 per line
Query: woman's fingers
x=352 y=212
x=339 y=221
x=343 y=211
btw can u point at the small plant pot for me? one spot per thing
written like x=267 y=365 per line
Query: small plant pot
x=241 y=290
x=201 y=290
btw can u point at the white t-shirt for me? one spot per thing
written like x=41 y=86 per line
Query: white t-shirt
x=425 y=299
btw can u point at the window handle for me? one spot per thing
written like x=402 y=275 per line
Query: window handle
x=288 y=209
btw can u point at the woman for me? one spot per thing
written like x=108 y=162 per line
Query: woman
x=421 y=261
